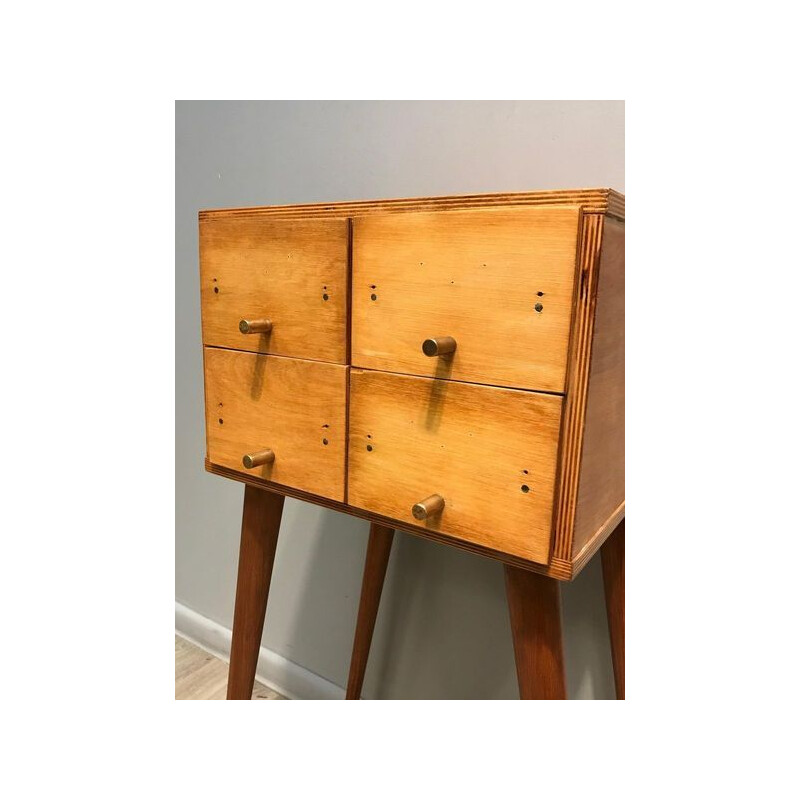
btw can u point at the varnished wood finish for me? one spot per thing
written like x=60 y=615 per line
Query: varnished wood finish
x=379 y=548
x=293 y=273
x=261 y=521
x=613 y=558
x=592 y=201
x=602 y=474
x=498 y=281
x=556 y=568
x=577 y=380
x=589 y=501
x=489 y=452
x=535 y=613
x=295 y=408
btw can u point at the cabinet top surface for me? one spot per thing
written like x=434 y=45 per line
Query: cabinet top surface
x=597 y=201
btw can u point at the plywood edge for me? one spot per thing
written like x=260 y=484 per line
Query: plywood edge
x=595 y=201
x=601 y=479
x=560 y=569
x=590 y=239
x=582 y=558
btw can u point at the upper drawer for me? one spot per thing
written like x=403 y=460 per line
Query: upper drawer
x=290 y=272
x=498 y=281
x=295 y=409
x=489 y=453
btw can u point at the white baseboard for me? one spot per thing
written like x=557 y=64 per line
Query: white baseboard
x=275 y=671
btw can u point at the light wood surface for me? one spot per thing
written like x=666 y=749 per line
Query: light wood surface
x=379 y=547
x=499 y=281
x=592 y=201
x=601 y=489
x=293 y=273
x=557 y=568
x=261 y=522
x=199 y=675
x=489 y=452
x=295 y=408
x=534 y=607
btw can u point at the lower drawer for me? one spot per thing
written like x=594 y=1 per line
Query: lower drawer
x=296 y=409
x=488 y=453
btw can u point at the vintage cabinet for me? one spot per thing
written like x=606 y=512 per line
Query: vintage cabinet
x=452 y=367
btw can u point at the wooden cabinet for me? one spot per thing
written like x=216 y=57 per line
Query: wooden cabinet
x=451 y=367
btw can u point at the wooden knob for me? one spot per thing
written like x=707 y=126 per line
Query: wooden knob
x=255 y=326
x=257 y=459
x=429 y=507
x=441 y=346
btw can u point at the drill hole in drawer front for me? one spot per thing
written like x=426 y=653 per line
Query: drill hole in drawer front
x=275 y=286
x=474 y=462
x=280 y=419
x=497 y=285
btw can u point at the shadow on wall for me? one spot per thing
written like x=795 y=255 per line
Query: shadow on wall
x=442 y=631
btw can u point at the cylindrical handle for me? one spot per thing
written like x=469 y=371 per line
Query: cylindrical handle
x=429 y=507
x=441 y=346
x=257 y=459
x=255 y=326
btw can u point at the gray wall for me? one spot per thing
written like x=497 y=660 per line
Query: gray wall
x=443 y=629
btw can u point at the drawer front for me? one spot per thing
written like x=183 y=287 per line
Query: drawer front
x=490 y=453
x=292 y=273
x=296 y=409
x=500 y=282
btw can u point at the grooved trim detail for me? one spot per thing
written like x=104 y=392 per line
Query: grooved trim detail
x=591 y=236
x=593 y=201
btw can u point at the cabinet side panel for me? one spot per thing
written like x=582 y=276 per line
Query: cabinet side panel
x=601 y=488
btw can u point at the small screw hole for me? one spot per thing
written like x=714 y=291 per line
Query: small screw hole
x=216 y=290
x=220 y=420
x=373 y=297
x=369 y=448
x=539 y=307
x=325 y=297
x=524 y=472
x=540 y=294
x=525 y=488
x=324 y=441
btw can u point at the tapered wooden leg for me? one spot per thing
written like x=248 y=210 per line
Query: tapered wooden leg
x=378 y=549
x=613 y=556
x=534 y=607
x=261 y=521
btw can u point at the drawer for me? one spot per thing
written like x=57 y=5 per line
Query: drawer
x=490 y=453
x=295 y=408
x=291 y=273
x=498 y=281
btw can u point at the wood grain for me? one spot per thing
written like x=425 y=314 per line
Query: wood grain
x=613 y=558
x=489 y=452
x=592 y=201
x=295 y=408
x=199 y=675
x=535 y=612
x=557 y=568
x=293 y=273
x=261 y=521
x=499 y=281
x=591 y=230
x=379 y=547
x=601 y=488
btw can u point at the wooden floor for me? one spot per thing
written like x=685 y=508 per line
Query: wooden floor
x=201 y=676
